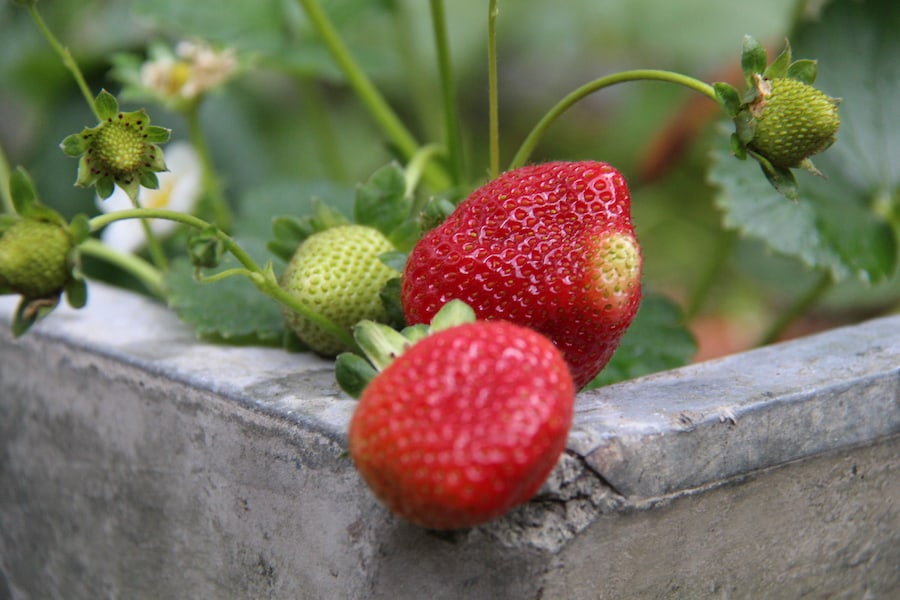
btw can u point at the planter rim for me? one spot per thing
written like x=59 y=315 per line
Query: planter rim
x=657 y=435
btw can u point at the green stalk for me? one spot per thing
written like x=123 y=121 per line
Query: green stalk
x=322 y=130
x=451 y=119
x=66 y=56
x=493 y=102
x=147 y=274
x=366 y=91
x=800 y=306
x=5 y=195
x=263 y=279
x=578 y=94
x=213 y=198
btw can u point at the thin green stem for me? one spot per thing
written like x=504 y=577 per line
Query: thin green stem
x=493 y=100
x=578 y=94
x=417 y=165
x=263 y=278
x=213 y=197
x=5 y=194
x=448 y=92
x=368 y=94
x=800 y=307
x=147 y=274
x=67 y=58
x=153 y=244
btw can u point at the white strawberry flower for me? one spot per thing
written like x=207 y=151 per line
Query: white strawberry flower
x=179 y=190
x=193 y=69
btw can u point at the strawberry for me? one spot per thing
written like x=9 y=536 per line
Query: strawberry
x=794 y=121
x=547 y=246
x=34 y=258
x=338 y=275
x=464 y=425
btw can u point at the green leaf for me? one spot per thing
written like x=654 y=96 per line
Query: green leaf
x=232 y=309
x=656 y=341
x=80 y=228
x=779 y=66
x=753 y=58
x=353 y=373
x=390 y=299
x=107 y=105
x=381 y=202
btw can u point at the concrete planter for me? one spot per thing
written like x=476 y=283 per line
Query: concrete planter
x=136 y=462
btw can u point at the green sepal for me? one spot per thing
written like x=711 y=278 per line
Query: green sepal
x=728 y=97
x=25 y=201
x=781 y=178
x=389 y=295
x=381 y=202
x=406 y=234
x=107 y=105
x=779 y=66
x=21 y=188
x=745 y=126
x=157 y=134
x=149 y=179
x=105 y=187
x=76 y=292
x=435 y=212
x=738 y=148
x=353 y=373
x=455 y=312
x=394 y=260
x=414 y=333
x=379 y=342
x=30 y=311
x=753 y=58
x=206 y=248
x=804 y=70
x=79 y=228
x=74 y=145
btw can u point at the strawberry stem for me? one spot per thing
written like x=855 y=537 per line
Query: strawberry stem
x=147 y=274
x=66 y=56
x=493 y=102
x=366 y=90
x=451 y=118
x=6 y=202
x=589 y=88
x=263 y=279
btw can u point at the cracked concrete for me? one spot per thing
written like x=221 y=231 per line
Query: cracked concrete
x=137 y=462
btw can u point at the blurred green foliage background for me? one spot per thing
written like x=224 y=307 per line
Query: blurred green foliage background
x=291 y=117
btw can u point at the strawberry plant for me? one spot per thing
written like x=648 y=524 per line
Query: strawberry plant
x=314 y=204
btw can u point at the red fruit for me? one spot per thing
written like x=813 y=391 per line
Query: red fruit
x=548 y=246
x=464 y=425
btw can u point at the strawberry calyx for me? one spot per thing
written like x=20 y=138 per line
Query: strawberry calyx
x=381 y=344
x=780 y=119
x=120 y=150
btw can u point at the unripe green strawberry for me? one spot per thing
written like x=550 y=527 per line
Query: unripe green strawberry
x=464 y=425
x=34 y=258
x=794 y=121
x=337 y=274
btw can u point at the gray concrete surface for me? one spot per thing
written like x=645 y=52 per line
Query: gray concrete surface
x=136 y=462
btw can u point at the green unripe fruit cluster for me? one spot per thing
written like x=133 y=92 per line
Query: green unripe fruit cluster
x=34 y=258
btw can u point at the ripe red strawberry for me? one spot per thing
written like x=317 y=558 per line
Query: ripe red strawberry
x=464 y=425
x=548 y=246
